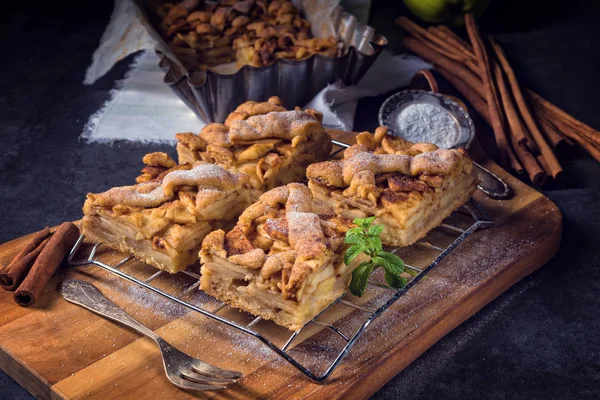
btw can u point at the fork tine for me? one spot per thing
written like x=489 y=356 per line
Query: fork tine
x=189 y=385
x=202 y=378
x=207 y=369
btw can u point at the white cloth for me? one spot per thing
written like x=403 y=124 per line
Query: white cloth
x=144 y=109
x=338 y=103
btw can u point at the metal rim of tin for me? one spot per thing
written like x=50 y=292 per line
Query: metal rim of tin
x=463 y=122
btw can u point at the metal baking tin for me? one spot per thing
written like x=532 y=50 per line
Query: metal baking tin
x=213 y=96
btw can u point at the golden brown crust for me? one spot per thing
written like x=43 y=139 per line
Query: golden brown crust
x=300 y=241
x=263 y=140
x=164 y=218
x=250 y=108
x=159 y=159
x=204 y=177
x=357 y=163
x=383 y=143
x=410 y=187
x=191 y=140
x=157 y=164
x=294 y=126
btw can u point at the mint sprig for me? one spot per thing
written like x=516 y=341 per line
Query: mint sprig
x=364 y=238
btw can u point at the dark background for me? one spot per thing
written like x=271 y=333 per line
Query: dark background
x=538 y=340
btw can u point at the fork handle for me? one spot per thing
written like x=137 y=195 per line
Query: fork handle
x=86 y=295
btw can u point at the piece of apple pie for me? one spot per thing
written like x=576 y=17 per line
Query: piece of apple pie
x=411 y=191
x=204 y=34
x=264 y=140
x=163 y=219
x=283 y=260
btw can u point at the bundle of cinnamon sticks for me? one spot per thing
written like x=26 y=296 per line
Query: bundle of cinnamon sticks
x=527 y=128
x=31 y=269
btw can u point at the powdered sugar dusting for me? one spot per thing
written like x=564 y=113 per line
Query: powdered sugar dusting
x=303 y=225
x=423 y=122
x=377 y=163
x=201 y=174
x=290 y=119
x=439 y=162
x=277 y=124
x=135 y=196
x=205 y=175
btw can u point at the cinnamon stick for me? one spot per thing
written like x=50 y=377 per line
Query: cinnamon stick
x=565 y=126
x=422 y=50
x=514 y=122
x=480 y=106
x=490 y=93
x=477 y=102
x=545 y=111
x=547 y=127
x=46 y=264
x=29 y=247
x=11 y=279
x=594 y=152
x=517 y=129
x=580 y=139
x=542 y=161
x=515 y=164
x=538 y=101
x=432 y=41
x=456 y=48
x=529 y=162
x=457 y=39
x=530 y=143
x=552 y=134
x=584 y=129
x=549 y=157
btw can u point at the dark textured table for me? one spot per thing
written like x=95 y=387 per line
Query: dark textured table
x=538 y=340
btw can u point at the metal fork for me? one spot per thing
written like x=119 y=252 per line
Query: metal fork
x=182 y=370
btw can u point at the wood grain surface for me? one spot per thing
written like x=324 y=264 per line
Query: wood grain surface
x=59 y=350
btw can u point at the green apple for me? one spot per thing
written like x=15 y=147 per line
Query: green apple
x=445 y=11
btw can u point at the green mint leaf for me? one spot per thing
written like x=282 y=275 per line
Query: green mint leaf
x=356 y=231
x=364 y=222
x=360 y=276
x=374 y=244
x=391 y=262
x=353 y=252
x=365 y=238
x=375 y=230
x=395 y=281
x=356 y=237
x=382 y=262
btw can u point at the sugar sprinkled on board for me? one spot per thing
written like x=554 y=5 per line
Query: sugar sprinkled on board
x=423 y=122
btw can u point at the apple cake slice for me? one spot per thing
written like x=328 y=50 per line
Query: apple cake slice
x=264 y=140
x=410 y=192
x=283 y=260
x=163 y=219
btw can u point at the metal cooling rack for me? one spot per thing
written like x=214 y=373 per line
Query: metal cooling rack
x=471 y=210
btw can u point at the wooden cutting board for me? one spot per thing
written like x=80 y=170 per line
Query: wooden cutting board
x=59 y=350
